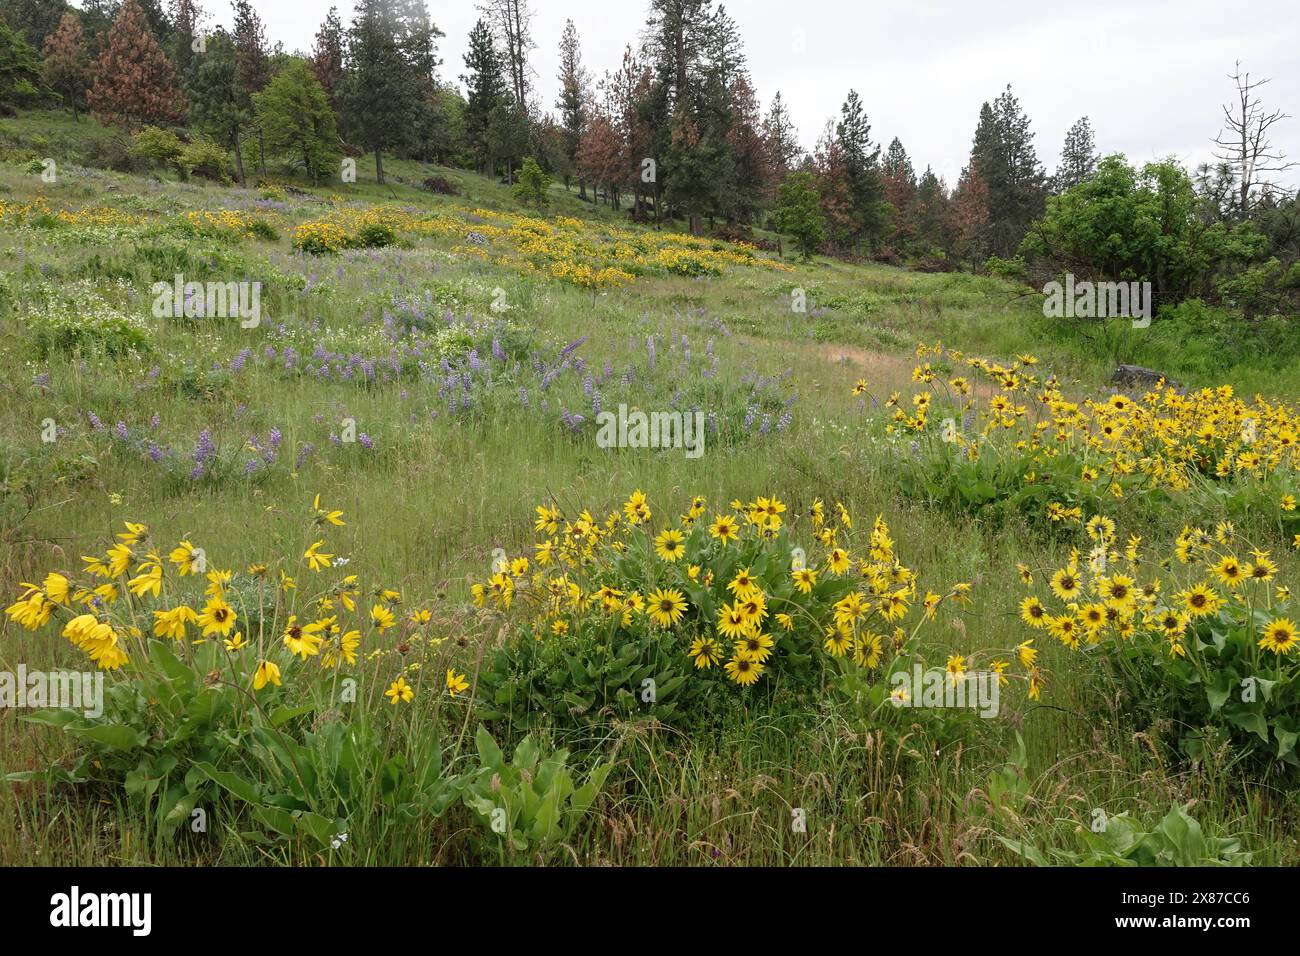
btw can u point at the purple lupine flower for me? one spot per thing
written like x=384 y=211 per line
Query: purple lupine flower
x=713 y=422
x=276 y=438
x=498 y=353
x=572 y=421
x=523 y=397
x=120 y=431
x=42 y=380
x=155 y=453
x=783 y=422
x=650 y=349
x=251 y=466
x=366 y=441
x=155 y=421
x=595 y=404
x=587 y=386
x=749 y=417
x=95 y=423
x=304 y=453
x=205 y=450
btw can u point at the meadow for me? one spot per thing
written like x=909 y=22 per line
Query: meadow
x=366 y=590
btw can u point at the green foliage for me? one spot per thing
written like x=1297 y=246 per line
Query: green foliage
x=20 y=70
x=589 y=679
x=1176 y=840
x=79 y=321
x=532 y=801
x=159 y=146
x=534 y=185
x=1127 y=224
x=798 y=212
x=298 y=122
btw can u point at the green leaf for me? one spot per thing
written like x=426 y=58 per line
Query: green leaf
x=113 y=736
x=489 y=753
x=232 y=783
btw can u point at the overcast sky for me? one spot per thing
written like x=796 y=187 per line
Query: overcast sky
x=1151 y=74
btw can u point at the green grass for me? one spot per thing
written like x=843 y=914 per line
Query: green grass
x=428 y=505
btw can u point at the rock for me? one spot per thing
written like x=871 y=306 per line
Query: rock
x=1135 y=376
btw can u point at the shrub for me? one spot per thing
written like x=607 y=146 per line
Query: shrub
x=621 y=621
x=373 y=235
x=533 y=186
x=1206 y=650
x=206 y=159
x=161 y=147
x=440 y=185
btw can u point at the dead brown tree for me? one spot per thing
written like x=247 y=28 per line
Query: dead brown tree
x=1244 y=143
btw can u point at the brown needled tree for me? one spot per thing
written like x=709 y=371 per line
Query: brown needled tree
x=133 y=81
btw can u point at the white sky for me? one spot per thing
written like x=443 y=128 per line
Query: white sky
x=1151 y=74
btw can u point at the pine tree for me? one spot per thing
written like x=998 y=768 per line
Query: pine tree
x=861 y=159
x=186 y=27
x=250 y=45
x=930 y=215
x=899 y=180
x=485 y=88
x=574 y=94
x=67 y=62
x=752 y=161
x=782 y=138
x=1078 y=156
x=219 y=104
x=969 y=216
x=382 y=91
x=133 y=82
x=33 y=20
x=1003 y=154
x=327 y=56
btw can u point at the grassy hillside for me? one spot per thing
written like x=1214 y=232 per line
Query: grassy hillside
x=429 y=389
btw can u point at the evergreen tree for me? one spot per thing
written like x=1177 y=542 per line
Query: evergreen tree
x=67 y=62
x=33 y=20
x=899 y=180
x=133 y=82
x=485 y=87
x=512 y=21
x=861 y=160
x=572 y=103
x=219 y=104
x=186 y=27
x=327 y=56
x=1078 y=157
x=250 y=47
x=1003 y=154
x=782 y=138
x=382 y=91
